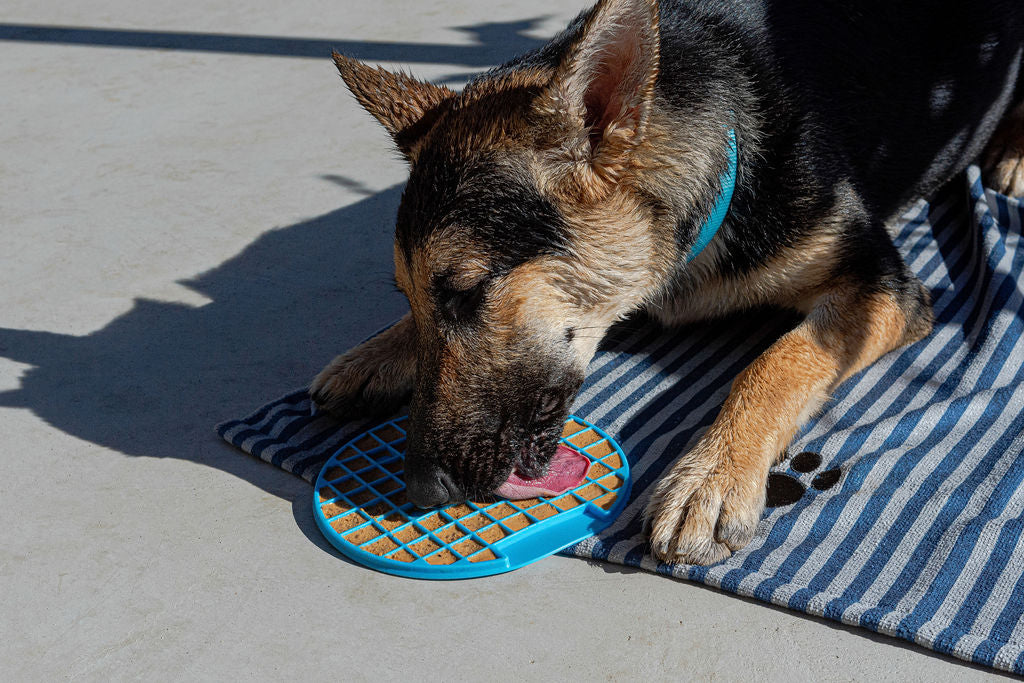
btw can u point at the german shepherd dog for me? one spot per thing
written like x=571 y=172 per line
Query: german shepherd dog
x=566 y=189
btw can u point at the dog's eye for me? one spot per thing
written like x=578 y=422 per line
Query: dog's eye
x=461 y=305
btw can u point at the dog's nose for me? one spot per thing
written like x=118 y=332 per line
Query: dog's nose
x=428 y=486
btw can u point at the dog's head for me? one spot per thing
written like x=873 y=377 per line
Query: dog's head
x=522 y=235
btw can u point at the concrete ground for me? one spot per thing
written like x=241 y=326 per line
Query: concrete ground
x=194 y=218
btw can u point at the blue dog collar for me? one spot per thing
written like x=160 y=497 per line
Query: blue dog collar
x=714 y=221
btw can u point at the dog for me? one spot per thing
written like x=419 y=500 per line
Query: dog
x=573 y=185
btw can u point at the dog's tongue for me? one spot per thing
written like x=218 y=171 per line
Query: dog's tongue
x=568 y=469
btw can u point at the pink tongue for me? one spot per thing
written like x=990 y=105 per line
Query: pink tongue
x=568 y=469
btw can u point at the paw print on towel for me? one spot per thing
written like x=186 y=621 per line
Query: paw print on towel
x=785 y=489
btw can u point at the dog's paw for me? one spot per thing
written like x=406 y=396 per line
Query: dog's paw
x=350 y=388
x=372 y=380
x=705 y=508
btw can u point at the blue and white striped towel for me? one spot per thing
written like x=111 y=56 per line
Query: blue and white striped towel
x=923 y=535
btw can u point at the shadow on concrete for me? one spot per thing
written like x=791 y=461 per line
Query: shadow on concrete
x=155 y=380
x=493 y=43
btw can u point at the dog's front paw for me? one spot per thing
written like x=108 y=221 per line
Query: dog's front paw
x=352 y=387
x=706 y=508
x=373 y=379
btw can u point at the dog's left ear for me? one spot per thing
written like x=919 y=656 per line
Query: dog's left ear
x=406 y=107
x=605 y=84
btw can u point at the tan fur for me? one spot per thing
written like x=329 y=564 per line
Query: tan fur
x=1004 y=158
x=617 y=252
x=792 y=279
x=404 y=281
x=711 y=501
x=615 y=259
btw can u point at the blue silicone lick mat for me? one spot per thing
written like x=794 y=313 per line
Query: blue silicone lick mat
x=360 y=506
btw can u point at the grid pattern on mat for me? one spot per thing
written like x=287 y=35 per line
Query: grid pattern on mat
x=361 y=496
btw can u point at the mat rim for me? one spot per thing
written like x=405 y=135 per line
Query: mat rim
x=541 y=538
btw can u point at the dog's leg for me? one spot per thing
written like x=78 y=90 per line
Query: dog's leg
x=374 y=378
x=1004 y=156
x=711 y=501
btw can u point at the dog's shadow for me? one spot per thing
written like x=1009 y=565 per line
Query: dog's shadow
x=155 y=380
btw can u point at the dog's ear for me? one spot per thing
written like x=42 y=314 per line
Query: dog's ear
x=406 y=107
x=605 y=83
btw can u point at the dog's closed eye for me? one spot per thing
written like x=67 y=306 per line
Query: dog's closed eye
x=460 y=305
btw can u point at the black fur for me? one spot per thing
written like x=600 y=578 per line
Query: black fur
x=494 y=205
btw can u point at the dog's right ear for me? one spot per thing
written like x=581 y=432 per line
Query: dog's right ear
x=406 y=107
